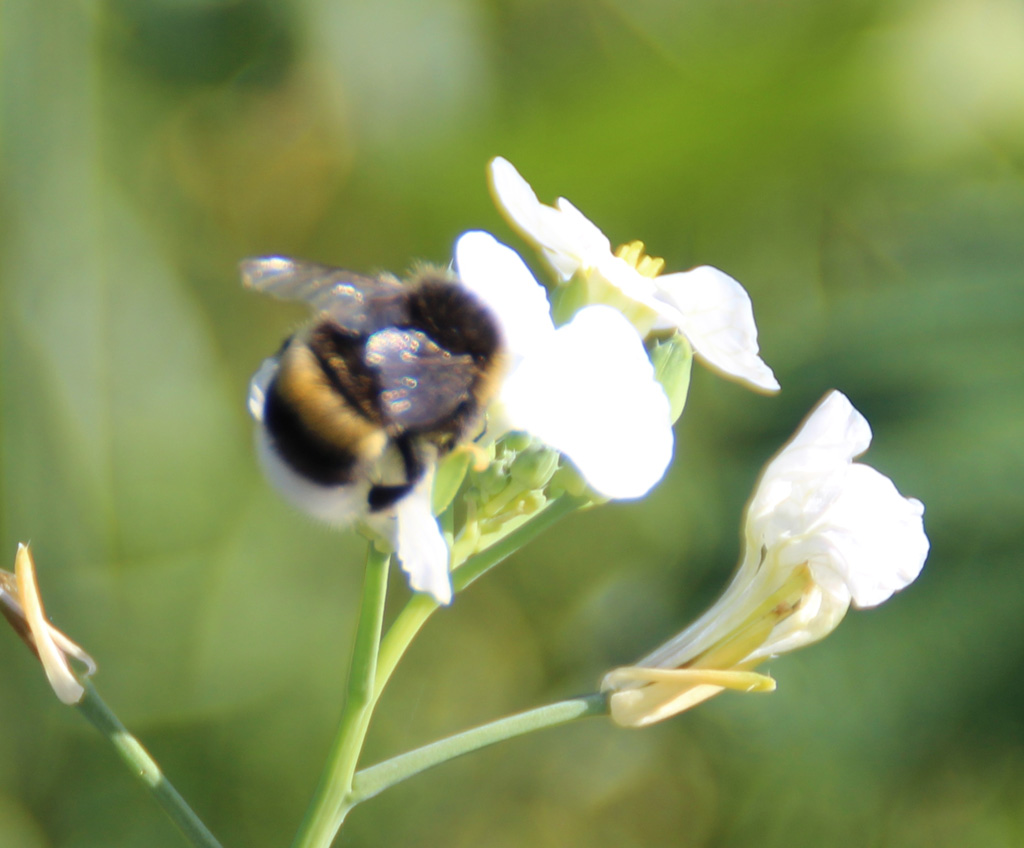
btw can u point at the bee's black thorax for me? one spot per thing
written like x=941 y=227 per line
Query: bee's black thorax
x=417 y=368
x=454 y=319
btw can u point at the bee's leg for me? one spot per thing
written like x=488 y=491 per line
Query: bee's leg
x=382 y=497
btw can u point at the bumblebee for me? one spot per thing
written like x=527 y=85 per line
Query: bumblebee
x=357 y=406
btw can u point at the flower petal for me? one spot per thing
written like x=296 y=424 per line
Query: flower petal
x=567 y=238
x=861 y=537
x=499 y=277
x=716 y=315
x=572 y=241
x=834 y=429
x=591 y=394
x=829 y=438
x=515 y=197
x=421 y=549
x=822 y=532
x=876 y=536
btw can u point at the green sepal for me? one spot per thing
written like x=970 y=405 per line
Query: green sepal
x=672 y=359
x=448 y=478
x=569 y=298
x=516 y=441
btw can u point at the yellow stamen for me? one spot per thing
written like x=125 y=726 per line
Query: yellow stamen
x=633 y=254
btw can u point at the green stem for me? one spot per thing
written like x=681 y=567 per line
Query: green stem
x=330 y=801
x=374 y=661
x=375 y=779
x=420 y=607
x=145 y=768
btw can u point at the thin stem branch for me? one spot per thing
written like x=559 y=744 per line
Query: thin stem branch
x=420 y=607
x=145 y=768
x=330 y=801
x=375 y=779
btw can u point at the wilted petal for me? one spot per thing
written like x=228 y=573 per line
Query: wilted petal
x=717 y=317
x=23 y=606
x=591 y=394
x=643 y=696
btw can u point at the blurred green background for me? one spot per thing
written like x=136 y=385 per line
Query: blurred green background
x=858 y=165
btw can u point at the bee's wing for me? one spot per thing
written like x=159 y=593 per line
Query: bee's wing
x=355 y=302
x=422 y=384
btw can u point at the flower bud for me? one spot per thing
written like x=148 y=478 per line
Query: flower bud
x=533 y=469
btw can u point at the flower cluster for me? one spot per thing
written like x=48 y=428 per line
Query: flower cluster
x=596 y=376
x=586 y=389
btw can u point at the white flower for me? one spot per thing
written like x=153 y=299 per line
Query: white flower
x=586 y=389
x=706 y=305
x=22 y=605
x=822 y=532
